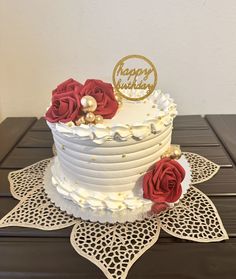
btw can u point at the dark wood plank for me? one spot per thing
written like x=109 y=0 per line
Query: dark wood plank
x=225 y=128
x=215 y=154
x=35 y=258
x=11 y=131
x=37 y=139
x=23 y=157
x=222 y=184
x=190 y=122
x=40 y=125
x=4 y=183
x=193 y=137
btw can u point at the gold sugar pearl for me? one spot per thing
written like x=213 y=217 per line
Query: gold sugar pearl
x=80 y=121
x=173 y=152
x=89 y=117
x=98 y=119
x=89 y=104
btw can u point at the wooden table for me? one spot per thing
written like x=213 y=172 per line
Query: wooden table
x=31 y=253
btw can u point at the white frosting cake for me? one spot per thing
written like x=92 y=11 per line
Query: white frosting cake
x=101 y=166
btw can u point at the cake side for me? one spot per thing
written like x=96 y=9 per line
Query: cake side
x=102 y=166
x=108 y=181
x=105 y=145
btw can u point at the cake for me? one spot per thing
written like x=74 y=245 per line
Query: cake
x=101 y=164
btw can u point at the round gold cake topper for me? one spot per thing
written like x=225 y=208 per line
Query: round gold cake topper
x=134 y=77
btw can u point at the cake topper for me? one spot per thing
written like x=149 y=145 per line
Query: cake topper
x=134 y=77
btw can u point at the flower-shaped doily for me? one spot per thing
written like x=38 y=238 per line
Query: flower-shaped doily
x=115 y=247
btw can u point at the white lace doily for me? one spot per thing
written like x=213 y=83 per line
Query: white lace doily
x=115 y=247
x=104 y=216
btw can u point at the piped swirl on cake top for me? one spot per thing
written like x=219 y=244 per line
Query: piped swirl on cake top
x=94 y=111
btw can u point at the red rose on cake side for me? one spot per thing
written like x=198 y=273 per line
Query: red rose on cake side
x=163 y=183
x=65 y=105
x=103 y=93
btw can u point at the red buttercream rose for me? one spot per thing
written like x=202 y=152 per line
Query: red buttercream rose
x=104 y=95
x=63 y=109
x=65 y=105
x=163 y=182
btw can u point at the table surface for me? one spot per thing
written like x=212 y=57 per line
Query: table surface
x=31 y=253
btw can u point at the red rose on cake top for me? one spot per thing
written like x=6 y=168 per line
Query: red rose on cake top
x=163 y=182
x=66 y=100
x=65 y=105
x=103 y=93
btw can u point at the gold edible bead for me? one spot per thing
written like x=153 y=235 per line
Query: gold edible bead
x=173 y=152
x=88 y=103
x=98 y=119
x=89 y=117
x=80 y=121
x=176 y=154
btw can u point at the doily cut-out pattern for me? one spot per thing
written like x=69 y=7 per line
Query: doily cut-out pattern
x=194 y=218
x=115 y=247
x=23 y=181
x=202 y=168
x=35 y=210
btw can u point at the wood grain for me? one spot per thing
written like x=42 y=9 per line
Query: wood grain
x=4 y=183
x=225 y=127
x=196 y=122
x=216 y=154
x=40 y=125
x=23 y=157
x=37 y=139
x=11 y=130
x=193 y=137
